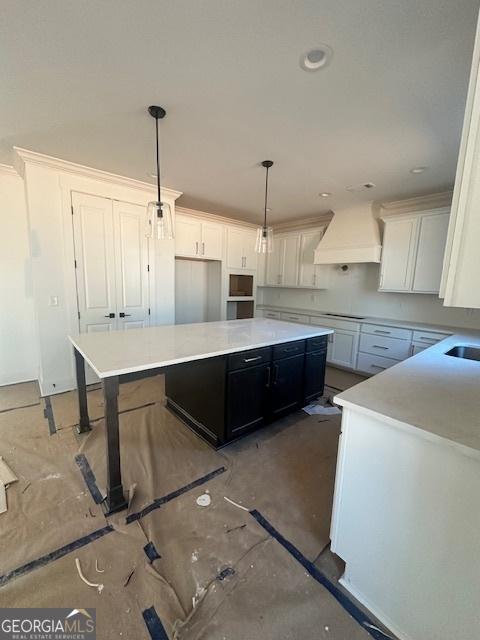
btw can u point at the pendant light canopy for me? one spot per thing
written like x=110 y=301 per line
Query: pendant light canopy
x=264 y=243
x=159 y=216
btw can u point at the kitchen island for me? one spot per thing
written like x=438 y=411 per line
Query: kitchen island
x=224 y=379
x=406 y=515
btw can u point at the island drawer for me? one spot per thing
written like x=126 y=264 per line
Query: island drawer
x=385 y=330
x=288 y=349
x=319 y=343
x=374 y=364
x=385 y=346
x=249 y=358
x=428 y=337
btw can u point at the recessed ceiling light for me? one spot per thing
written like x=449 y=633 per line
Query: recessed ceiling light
x=325 y=194
x=417 y=170
x=316 y=58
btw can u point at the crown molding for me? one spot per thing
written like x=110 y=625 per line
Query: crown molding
x=204 y=215
x=306 y=223
x=420 y=203
x=8 y=170
x=25 y=156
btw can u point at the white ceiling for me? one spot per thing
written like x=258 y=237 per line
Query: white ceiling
x=77 y=76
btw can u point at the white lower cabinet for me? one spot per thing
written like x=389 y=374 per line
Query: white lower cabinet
x=368 y=363
x=343 y=343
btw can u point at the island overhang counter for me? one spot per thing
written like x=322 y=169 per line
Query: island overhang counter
x=284 y=360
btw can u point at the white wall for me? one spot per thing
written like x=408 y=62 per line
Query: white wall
x=197 y=291
x=18 y=355
x=356 y=294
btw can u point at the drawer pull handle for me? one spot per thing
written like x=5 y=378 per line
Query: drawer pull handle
x=380 y=331
x=275 y=373
x=252 y=359
x=427 y=339
x=377 y=346
x=269 y=377
x=377 y=366
x=290 y=349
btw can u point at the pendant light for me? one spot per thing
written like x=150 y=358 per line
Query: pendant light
x=159 y=216
x=264 y=243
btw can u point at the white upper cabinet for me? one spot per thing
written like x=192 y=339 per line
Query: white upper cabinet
x=461 y=265
x=241 y=249
x=412 y=255
x=196 y=238
x=311 y=276
x=291 y=262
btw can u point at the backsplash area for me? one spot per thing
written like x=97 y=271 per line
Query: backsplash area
x=355 y=292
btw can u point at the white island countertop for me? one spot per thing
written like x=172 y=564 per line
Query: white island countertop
x=115 y=353
x=431 y=391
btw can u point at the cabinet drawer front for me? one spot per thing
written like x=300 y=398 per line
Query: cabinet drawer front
x=295 y=317
x=374 y=364
x=288 y=349
x=384 y=346
x=428 y=337
x=388 y=332
x=275 y=315
x=249 y=358
x=319 y=343
x=333 y=323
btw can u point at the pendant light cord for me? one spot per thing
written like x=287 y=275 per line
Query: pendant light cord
x=158 y=161
x=266 y=200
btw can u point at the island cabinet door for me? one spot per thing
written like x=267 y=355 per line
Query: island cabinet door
x=287 y=385
x=246 y=399
x=314 y=374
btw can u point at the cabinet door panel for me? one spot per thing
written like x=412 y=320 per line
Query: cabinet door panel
x=249 y=250
x=344 y=348
x=188 y=232
x=291 y=260
x=235 y=253
x=246 y=396
x=275 y=263
x=287 y=384
x=431 y=246
x=398 y=255
x=308 y=271
x=314 y=375
x=212 y=241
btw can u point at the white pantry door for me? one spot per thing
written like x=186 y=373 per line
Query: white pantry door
x=95 y=262
x=111 y=254
x=131 y=260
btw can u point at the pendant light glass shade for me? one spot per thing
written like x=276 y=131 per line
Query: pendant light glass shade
x=159 y=221
x=159 y=215
x=264 y=242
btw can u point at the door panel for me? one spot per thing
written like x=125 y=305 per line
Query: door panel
x=398 y=254
x=314 y=375
x=431 y=247
x=212 y=241
x=246 y=394
x=344 y=348
x=235 y=253
x=188 y=232
x=94 y=255
x=275 y=262
x=249 y=249
x=291 y=259
x=287 y=384
x=131 y=252
x=308 y=244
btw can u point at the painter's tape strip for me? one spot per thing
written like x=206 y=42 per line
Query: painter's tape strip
x=158 y=502
x=55 y=555
x=154 y=624
x=89 y=478
x=151 y=552
x=341 y=598
x=48 y=413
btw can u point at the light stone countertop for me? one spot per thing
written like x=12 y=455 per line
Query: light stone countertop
x=119 y=352
x=434 y=392
x=407 y=324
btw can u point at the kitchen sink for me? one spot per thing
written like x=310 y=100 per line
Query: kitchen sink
x=461 y=351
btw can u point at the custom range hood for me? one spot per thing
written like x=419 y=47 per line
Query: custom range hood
x=352 y=236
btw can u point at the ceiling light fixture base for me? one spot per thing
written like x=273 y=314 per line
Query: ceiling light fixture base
x=157 y=112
